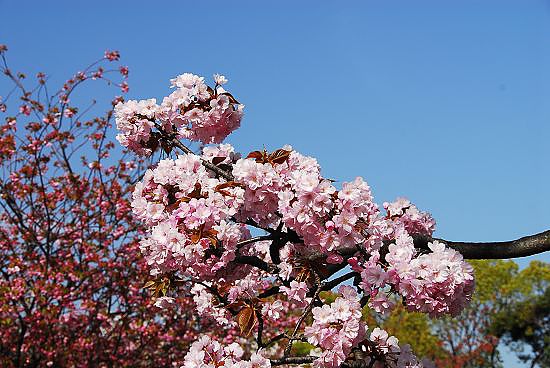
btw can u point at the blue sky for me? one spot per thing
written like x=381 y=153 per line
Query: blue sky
x=444 y=102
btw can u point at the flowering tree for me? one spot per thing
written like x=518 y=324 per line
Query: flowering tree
x=259 y=237
x=71 y=274
x=525 y=319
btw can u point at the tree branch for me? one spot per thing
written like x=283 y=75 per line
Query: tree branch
x=304 y=314
x=328 y=285
x=253 y=240
x=256 y=262
x=209 y=165
x=522 y=247
x=293 y=360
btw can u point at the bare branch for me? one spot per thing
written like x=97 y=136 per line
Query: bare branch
x=522 y=247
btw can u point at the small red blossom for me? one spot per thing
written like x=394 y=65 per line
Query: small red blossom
x=25 y=110
x=98 y=73
x=112 y=55
x=69 y=112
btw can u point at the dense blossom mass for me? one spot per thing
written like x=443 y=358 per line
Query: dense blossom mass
x=202 y=213
x=193 y=111
x=71 y=273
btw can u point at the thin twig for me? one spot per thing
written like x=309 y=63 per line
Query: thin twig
x=304 y=314
x=209 y=165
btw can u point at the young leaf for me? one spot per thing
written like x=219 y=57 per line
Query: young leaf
x=217 y=160
x=279 y=156
x=259 y=156
x=247 y=320
x=149 y=284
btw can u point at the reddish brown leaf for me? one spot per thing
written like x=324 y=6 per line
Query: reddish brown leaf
x=150 y=284
x=303 y=275
x=171 y=207
x=217 y=160
x=279 y=156
x=196 y=236
x=276 y=157
x=196 y=193
x=259 y=156
x=247 y=320
x=158 y=286
x=228 y=184
x=211 y=235
x=224 y=289
x=211 y=91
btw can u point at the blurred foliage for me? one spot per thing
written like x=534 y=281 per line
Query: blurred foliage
x=507 y=303
x=414 y=329
x=526 y=321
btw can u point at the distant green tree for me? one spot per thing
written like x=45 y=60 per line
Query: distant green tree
x=526 y=321
x=503 y=294
x=468 y=338
x=416 y=330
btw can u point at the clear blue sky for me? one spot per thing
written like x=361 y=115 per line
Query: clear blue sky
x=445 y=102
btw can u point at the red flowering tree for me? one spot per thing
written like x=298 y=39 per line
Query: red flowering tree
x=71 y=272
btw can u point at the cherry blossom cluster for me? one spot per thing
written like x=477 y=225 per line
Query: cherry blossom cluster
x=193 y=111
x=289 y=186
x=383 y=351
x=208 y=353
x=135 y=119
x=188 y=211
x=437 y=283
x=199 y=210
x=336 y=328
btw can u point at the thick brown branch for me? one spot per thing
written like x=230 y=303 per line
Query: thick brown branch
x=522 y=247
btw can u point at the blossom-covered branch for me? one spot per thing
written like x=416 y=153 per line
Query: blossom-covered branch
x=199 y=209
